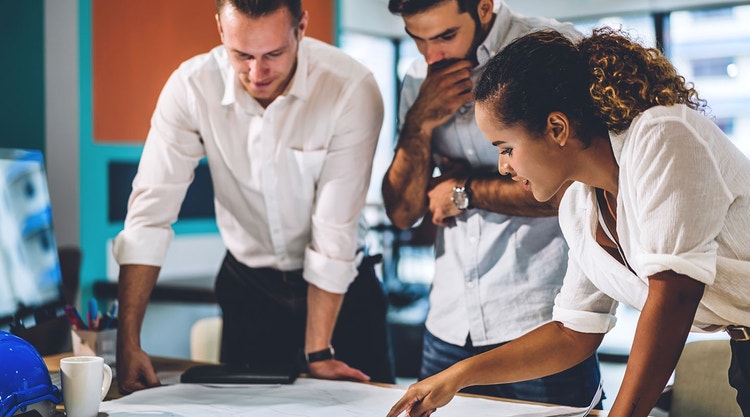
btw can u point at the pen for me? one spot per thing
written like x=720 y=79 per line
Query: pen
x=74 y=317
x=110 y=317
x=113 y=309
x=93 y=313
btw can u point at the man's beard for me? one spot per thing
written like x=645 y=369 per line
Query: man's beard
x=479 y=36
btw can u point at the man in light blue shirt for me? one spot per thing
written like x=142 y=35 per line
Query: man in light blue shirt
x=500 y=255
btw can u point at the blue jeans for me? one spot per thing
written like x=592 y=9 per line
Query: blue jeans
x=574 y=387
x=739 y=374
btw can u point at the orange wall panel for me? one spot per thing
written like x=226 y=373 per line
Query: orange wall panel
x=138 y=43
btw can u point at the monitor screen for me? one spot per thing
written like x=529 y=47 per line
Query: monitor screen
x=30 y=279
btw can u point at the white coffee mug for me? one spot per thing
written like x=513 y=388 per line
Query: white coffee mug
x=85 y=382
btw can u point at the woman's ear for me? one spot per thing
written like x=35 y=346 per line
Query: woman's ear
x=558 y=128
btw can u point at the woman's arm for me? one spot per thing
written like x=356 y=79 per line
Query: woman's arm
x=662 y=329
x=546 y=350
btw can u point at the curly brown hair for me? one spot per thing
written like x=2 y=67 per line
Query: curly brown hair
x=601 y=83
x=629 y=78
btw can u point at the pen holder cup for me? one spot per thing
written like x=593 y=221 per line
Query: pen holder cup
x=95 y=343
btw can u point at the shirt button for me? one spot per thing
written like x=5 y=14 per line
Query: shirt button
x=470 y=284
x=472 y=240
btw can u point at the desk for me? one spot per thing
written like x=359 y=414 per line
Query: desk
x=168 y=365
x=162 y=365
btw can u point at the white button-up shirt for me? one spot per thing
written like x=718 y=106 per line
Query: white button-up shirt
x=496 y=276
x=289 y=180
x=683 y=205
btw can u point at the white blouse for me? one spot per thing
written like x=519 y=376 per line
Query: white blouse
x=683 y=205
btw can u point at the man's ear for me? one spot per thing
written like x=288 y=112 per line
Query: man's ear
x=218 y=27
x=485 y=9
x=558 y=128
x=302 y=25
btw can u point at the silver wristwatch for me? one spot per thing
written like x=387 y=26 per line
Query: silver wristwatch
x=462 y=195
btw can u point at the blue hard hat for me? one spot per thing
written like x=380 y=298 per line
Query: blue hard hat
x=24 y=378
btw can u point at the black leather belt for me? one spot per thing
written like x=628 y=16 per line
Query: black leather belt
x=738 y=333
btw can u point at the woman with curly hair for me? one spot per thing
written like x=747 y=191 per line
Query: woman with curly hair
x=656 y=211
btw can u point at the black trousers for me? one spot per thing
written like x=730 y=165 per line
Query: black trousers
x=265 y=311
x=739 y=374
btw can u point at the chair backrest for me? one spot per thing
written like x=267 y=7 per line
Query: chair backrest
x=205 y=340
x=701 y=383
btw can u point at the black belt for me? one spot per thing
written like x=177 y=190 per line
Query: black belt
x=738 y=333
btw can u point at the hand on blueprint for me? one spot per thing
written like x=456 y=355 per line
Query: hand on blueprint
x=135 y=371
x=426 y=396
x=333 y=369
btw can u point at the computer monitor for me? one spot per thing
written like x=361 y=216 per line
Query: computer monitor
x=30 y=277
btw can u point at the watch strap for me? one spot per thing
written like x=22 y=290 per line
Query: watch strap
x=321 y=355
x=467 y=190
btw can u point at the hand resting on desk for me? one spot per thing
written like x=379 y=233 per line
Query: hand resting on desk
x=135 y=371
x=334 y=369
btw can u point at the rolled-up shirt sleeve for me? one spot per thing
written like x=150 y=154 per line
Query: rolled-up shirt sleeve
x=679 y=199
x=331 y=258
x=580 y=306
x=166 y=169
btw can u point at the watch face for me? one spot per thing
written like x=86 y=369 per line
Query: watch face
x=460 y=198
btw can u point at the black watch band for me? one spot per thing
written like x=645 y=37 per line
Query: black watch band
x=320 y=355
x=467 y=189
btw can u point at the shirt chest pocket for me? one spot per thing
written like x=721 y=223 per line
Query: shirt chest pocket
x=304 y=168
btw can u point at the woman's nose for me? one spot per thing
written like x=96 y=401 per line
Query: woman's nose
x=503 y=167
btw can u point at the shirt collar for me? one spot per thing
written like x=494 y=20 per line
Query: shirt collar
x=231 y=82
x=298 y=84
x=498 y=32
x=617 y=140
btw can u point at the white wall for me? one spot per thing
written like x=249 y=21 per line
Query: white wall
x=63 y=117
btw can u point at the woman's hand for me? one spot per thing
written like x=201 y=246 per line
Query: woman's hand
x=424 y=397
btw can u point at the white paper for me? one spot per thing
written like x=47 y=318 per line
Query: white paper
x=305 y=398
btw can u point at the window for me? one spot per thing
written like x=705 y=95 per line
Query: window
x=378 y=55
x=714 y=67
x=711 y=48
x=640 y=27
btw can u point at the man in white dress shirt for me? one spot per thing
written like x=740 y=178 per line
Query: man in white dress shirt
x=500 y=254
x=289 y=127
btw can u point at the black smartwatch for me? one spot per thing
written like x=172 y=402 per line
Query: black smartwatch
x=462 y=195
x=320 y=355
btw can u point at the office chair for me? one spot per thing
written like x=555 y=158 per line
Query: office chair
x=701 y=385
x=205 y=340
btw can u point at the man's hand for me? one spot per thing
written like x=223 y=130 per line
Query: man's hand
x=440 y=193
x=442 y=93
x=442 y=207
x=135 y=371
x=333 y=369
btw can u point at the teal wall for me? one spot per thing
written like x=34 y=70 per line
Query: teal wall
x=96 y=229
x=22 y=116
